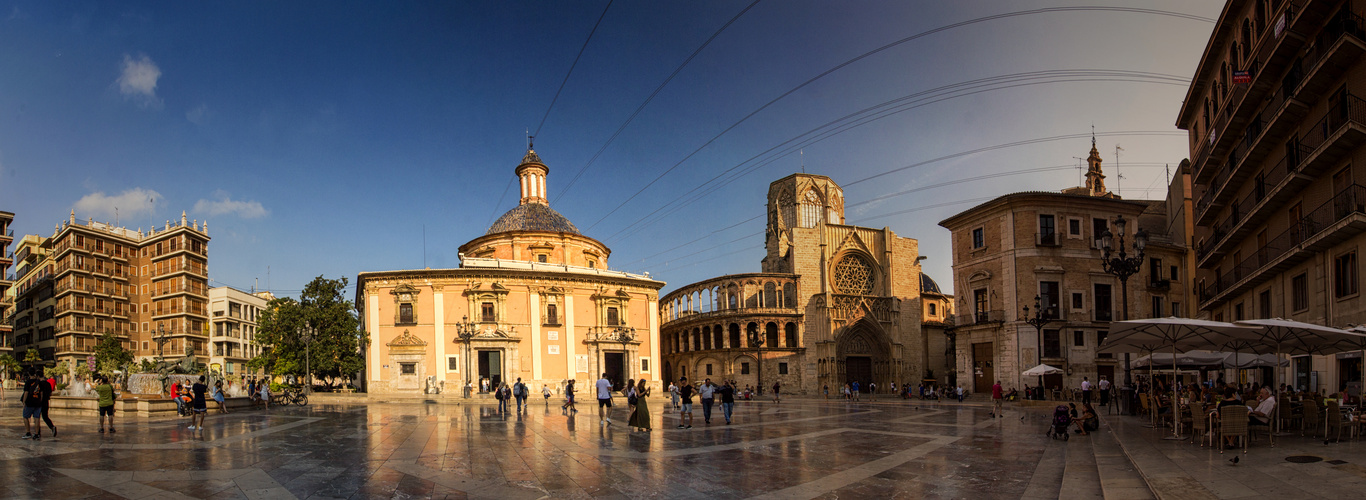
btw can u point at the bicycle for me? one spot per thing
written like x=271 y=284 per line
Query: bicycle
x=295 y=395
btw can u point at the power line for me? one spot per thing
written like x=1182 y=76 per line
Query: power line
x=571 y=68
x=917 y=99
x=666 y=81
x=883 y=48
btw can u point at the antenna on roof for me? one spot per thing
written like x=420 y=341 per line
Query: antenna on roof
x=1119 y=178
x=529 y=139
x=802 y=153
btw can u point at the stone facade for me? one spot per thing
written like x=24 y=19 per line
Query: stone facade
x=1010 y=250
x=834 y=303
x=533 y=298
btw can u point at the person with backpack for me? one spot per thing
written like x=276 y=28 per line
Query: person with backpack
x=519 y=391
x=105 y=403
x=502 y=397
x=36 y=392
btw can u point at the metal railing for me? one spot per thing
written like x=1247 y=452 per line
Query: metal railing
x=980 y=317
x=1347 y=202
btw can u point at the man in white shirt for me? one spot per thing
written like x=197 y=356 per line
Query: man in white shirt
x=1266 y=405
x=707 y=392
x=673 y=394
x=1085 y=391
x=1104 y=387
x=604 y=400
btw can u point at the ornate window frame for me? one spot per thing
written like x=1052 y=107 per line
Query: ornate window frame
x=552 y=297
x=405 y=294
x=620 y=300
x=495 y=293
x=871 y=267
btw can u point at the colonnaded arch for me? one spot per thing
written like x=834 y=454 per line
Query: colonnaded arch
x=863 y=353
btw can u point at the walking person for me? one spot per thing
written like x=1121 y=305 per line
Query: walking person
x=673 y=394
x=519 y=391
x=1085 y=391
x=105 y=402
x=728 y=399
x=960 y=394
x=604 y=387
x=872 y=391
x=1104 y=386
x=776 y=386
x=502 y=394
x=47 y=398
x=853 y=386
x=996 y=398
x=685 y=392
x=199 y=404
x=630 y=392
x=640 y=415
x=824 y=389
x=707 y=393
x=568 y=406
x=219 y=398
x=545 y=393
x=35 y=391
x=265 y=393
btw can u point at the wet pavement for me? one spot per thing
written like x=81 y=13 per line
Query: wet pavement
x=802 y=448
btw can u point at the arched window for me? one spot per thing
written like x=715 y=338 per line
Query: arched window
x=706 y=337
x=770 y=295
x=812 y=210
x=771 y=334
x=734 y=335
x=718 y=339
x=791 y=334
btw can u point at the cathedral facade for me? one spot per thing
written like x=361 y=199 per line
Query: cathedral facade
x=533 y=299
x=834 y=303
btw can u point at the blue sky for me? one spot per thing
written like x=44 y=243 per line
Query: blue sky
x=320 y=138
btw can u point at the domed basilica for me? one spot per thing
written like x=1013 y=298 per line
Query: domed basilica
x=532 y=299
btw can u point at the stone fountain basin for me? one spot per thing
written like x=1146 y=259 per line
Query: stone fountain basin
x=130 y=405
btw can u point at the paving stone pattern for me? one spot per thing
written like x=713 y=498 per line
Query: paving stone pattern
x=797 y=449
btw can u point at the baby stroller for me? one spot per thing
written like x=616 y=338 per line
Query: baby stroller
x=1062 y=419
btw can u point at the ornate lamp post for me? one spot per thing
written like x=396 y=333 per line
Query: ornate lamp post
x=756 y=339
x=465 y=331
x=625 y=335
x=1123 y=266
x=1038 y=320
x=161 y=339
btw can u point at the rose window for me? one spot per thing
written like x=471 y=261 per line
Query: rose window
x=854 y=276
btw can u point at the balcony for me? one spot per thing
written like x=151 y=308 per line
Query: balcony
x=1340 y=218
x=178 y=289
x=1271 y=56
x=980 y=318
x=196 y=269
x=1047 y=239
x=1327 y=140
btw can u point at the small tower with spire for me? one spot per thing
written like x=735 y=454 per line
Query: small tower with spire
x=532 y=174
x=1095 y=180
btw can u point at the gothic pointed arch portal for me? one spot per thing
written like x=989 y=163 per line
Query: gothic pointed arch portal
x=863 y=354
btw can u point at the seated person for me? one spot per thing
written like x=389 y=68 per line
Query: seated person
x=1087 y=422
x=1266 y=405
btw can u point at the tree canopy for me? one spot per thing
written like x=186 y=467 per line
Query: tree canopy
x=110 y=354
x=322 y=311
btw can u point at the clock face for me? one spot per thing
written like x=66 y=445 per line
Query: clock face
x=812 y=198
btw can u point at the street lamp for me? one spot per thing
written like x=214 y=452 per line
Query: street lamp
x=161 y=339
x=1123 y=266
x=1038 y=320
x=756 y=339
x=307 y=337
x=465 y=330
x=625 y=335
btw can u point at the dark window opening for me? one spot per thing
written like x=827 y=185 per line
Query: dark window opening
x=486 y=314
x=782 y=368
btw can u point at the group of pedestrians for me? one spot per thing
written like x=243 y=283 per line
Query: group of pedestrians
x=707 y=392
x=36 y=397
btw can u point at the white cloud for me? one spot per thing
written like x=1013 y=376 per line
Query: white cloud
x=198 y=114
x=128 y=204
x=138 y=82
x=225 y=205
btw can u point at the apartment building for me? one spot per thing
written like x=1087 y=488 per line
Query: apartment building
x=6 y=281
x=233 y=329
x=148 y=288
x=1276 y=132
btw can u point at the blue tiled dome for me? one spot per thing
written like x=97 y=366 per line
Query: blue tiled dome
x=532 y=217
x=928 y=285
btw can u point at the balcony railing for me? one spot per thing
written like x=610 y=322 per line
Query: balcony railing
x=980 y=317
x=1348 y=202
x=1351 y=110
x=190 y=268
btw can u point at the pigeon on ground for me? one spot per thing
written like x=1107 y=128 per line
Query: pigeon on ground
x=1234 y=460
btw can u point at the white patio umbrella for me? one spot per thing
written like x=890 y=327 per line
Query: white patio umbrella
x=1297 y=337
x=1174 y=334
x=1042 y=370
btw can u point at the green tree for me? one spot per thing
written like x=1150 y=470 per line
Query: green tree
x=322 y=311
x=33 y=357
x=9 y=366
x=110 y=354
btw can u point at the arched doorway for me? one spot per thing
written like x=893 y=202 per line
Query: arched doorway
x=863 y=355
